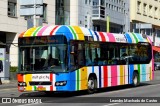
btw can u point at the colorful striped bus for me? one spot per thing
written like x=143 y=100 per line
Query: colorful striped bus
x=73 y=58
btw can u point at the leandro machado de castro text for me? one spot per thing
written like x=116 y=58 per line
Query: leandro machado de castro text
x=131 y=100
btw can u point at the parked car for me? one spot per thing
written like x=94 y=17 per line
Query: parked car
x=156 y=66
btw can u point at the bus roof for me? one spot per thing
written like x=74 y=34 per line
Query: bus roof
x=80 y=33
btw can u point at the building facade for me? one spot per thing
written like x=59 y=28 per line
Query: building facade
x=74 y=12
x=124 y=16
x=55 y=12
x=12 y=24
x=117 y=11
x=145 y=18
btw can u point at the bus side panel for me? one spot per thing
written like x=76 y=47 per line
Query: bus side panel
x=131 y=70
x=122 y=74
x=84 y=78
x=152 y=68
x=73 y=80
x=143 y=72
x=114 y=75
x=79 y=78
x=63 y=77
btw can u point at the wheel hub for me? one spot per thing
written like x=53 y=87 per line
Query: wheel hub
x=135 y=80
x=91 y=84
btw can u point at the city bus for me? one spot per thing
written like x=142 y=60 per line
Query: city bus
x=73 y=58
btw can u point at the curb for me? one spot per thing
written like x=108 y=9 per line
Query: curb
x=6 y=81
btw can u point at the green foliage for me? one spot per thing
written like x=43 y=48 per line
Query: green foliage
x=13 y=69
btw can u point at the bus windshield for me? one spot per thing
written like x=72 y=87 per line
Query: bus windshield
x=42 y=54
x=43 y=58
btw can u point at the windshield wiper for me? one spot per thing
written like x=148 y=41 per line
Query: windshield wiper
x=26 y=72
x=49 y=70
x=52 y=71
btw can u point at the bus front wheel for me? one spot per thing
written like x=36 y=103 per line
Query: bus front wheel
x=92 y=85
x=135 y=79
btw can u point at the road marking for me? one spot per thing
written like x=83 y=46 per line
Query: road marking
x=132 y=88
x=111 y=104
x=122 y=90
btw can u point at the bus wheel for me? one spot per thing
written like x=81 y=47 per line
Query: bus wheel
x=92 y=85
x=135 y=79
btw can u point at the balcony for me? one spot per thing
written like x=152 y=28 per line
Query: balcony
x=98 y=13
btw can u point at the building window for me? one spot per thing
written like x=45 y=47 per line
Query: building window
x=90 y=2
x=95 y=3
x=120 y=2
x=112 y=7
x=156 y=13
x=86 y=1
x=44 y=16
x=124 y=11
x=107 y=5
x=138 y=7
x=117 y=1
x=144 y=9
x=12 y=8
x=102 y=2
x=150 y=11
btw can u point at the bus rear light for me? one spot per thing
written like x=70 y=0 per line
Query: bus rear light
x=60 y=83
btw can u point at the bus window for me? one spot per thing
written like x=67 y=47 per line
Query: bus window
x=76 y=55
x=88 y=55
x=80 y=55
x=124 y=54
x=139 y=54
x=113 y=54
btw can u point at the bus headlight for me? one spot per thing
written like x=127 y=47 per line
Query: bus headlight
x=22 y=84
x=60 y=83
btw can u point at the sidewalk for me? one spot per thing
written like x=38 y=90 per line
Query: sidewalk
x=10 y=84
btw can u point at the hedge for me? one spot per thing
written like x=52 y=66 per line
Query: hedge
x=13 y=69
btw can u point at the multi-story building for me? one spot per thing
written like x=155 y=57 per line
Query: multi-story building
x=55 y=12
x=12 y=24
x=93 y=14
x=74 y=12
x=118 y=12
x=87 y=13
x=145 y=18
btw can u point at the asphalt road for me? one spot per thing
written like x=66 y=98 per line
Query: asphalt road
x=103 y=97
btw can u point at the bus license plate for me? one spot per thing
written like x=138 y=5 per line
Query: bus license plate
x=41 y=88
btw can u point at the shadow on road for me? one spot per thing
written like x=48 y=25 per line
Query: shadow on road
x=79 y=93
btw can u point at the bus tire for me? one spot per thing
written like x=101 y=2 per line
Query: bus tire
x=48 y=93
x=92 y=85
x=135 y=79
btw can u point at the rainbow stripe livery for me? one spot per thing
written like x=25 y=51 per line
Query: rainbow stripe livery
x=78 y=79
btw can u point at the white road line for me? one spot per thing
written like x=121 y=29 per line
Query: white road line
x=111 y=104
x=133 y=87
x=8 y=89
x=122 y=90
